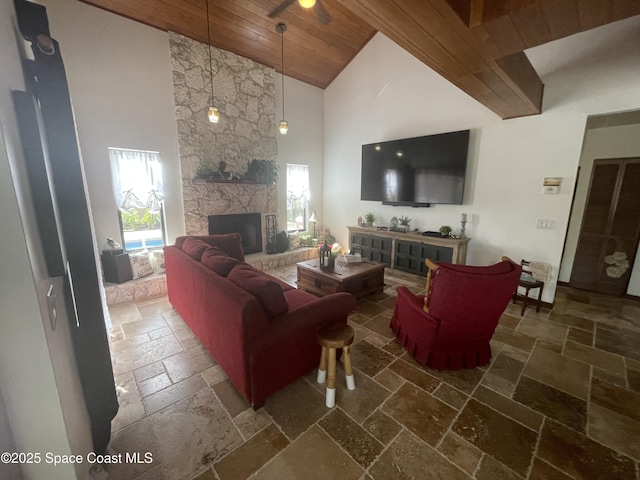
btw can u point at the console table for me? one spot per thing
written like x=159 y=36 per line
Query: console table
x=407 y=251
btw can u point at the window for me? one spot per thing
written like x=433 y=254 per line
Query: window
x=139 y=194
x=297 y=197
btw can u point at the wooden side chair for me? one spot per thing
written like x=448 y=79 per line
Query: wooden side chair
x=528 y=282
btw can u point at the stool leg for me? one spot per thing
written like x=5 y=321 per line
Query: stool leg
x=322 y=369
x=348 y=371
x=331 y=383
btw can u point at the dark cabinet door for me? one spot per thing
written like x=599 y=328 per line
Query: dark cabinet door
x=365 y=244
x=374 y=248
x=436 y=254
x=381 y=250
x=408 y=256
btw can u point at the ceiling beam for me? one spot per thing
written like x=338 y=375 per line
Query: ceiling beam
x=434 y=33
x=478 y=45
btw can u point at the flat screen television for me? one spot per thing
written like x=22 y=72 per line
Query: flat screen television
x=416 y=171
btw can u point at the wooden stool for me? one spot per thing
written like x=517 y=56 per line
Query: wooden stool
x=331 y=337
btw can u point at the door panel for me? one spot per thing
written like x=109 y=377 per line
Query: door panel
x=603 y=182
x=610 y=228
x=625 y=219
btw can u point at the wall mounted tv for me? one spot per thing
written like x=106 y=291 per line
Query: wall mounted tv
x=416 y=171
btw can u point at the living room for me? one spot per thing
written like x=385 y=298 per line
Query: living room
x=383 y=94
x=121 y=80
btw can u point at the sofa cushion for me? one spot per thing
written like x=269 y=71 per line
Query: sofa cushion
x=217 y=260
x=194 y=247
x=231 y=243
x=268 y=292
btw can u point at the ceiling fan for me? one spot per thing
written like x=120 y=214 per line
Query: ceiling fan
x=317 y=6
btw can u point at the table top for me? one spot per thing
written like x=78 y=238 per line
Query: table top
x=352 y=270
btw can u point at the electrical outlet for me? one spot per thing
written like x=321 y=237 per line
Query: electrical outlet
x=544 y=224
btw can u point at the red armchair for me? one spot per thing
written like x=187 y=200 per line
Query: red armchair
x=450 y=327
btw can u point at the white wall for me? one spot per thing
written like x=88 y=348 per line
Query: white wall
x=37 y=371
x=608 y=142
x=385 y=93
x=119 y=74
x=303 y=144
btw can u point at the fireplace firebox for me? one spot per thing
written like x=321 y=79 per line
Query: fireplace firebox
x=249 y=225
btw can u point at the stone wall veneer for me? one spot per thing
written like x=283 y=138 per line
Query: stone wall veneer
x=245 y=94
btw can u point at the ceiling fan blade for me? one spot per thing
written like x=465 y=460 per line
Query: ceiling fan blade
x=322 y=13
x=280 y=8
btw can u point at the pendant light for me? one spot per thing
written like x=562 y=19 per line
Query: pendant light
x=281 y=28
x=213 y=113
x=307 y=3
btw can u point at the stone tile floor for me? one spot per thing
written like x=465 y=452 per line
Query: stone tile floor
x=560 y=400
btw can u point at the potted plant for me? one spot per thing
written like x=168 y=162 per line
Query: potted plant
x=445 y=230
x=404 y=223
x=262 y=171
x=205 y=170
x=369 y=219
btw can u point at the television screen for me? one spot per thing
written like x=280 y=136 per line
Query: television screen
x=416 y=171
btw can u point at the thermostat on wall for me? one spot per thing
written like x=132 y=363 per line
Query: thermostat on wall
x=551 y=185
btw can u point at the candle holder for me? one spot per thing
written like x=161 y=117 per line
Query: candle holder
x=463 y=224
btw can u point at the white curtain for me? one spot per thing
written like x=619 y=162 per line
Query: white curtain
x=137 y=179
x=298 y=185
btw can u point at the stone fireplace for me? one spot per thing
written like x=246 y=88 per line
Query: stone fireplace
x=245 y=94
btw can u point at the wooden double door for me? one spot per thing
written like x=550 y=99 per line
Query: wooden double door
x=610 y=228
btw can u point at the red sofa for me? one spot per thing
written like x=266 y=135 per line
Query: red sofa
x=260 y=330
x=464 y=305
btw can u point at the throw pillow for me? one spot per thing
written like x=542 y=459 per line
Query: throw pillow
x=282 y=242
x=140 y=265
x=157 y=259
x=194 y=247
x=268 y=292
x=215 y=259
x=231 y=243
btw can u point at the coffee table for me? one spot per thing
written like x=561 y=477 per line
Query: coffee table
x=359 y=279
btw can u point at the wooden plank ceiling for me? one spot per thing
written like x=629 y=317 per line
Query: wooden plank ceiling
x=478 y=45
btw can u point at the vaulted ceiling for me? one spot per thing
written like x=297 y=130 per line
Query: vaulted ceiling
x=478 y=45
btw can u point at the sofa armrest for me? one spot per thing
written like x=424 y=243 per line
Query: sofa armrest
x=289 y=347
x=307 y=318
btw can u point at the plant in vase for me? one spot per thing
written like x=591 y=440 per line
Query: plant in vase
x=262 y=171
x=404 y=223
x=369 y=219
x=445 y=230
x=205 y=170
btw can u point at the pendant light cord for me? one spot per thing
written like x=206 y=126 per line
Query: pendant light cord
x=282 y=73
x=210 y=61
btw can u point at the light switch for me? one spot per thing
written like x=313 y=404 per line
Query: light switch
x=545 y=224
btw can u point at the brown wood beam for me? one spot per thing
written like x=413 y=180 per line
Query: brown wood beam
x=434 y=33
